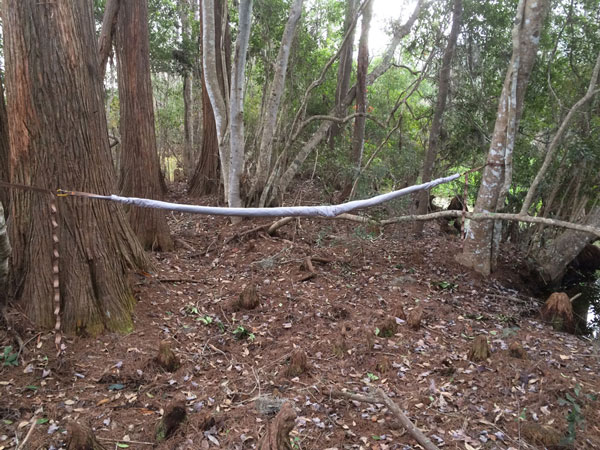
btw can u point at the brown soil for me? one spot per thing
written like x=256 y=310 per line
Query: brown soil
x=230 y=357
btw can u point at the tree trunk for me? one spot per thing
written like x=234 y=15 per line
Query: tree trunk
x=140 y=168
x=213 y=54
x=483 y=239
x=556 y=256
x=273 y=103
x=236 y=107
x=4 y=257
x=205 y=180
x=188 y=149
x=109 y=25
x=440 y=107
x=59 y=138
x=344 y=71
x=206 y=176
x=358 y=141
x=4 y=149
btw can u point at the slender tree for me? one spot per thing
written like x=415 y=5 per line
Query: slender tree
x=107 y=32
x=58 y=138
x=344 y=69
x=273 y=103
x=436 y=123
x=188 y=129
x=140 y=169
x=480 y=250
x=362 y=68
x=236 y=106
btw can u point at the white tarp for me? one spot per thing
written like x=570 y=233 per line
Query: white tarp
x=284 y=211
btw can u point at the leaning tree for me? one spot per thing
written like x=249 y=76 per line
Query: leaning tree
x=59 y=138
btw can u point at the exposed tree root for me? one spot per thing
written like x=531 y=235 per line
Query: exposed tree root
x=277 y=436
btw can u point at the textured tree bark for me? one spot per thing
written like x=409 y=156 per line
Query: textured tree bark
x=236 y=107
x=480 y=249
x=440 y=107
x=58 y=138
x=109 y=25
x=4 y=150
x=344 y=70
x=274 y=100
x=140 y=169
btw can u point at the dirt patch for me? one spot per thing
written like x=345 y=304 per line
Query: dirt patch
x=231 y=357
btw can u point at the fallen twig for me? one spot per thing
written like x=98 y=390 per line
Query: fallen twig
x=381 y=397
x=33 y=424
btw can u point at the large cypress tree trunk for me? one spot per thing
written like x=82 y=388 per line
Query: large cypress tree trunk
x=58 y=138
x=3 y=148
x=140 y=169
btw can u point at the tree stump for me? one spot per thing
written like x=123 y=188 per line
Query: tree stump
x=248 y=298
x=388 y=327
x=541 y=435
x=82 y=438
x=166 y=359
x=414 y=318
x=516 y=350
x=558 y=312
x=173 y=417
x=480 y=351
x=277 y=436
x=298 y=363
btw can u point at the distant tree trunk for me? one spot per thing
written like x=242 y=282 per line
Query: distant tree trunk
x=436 y=123
x=140 y=168
x=188 y=149
x=481 y=246
x=358 y=141
x=206 y=175
x=109 y=25
x=236 y=106
x=4 y=149
x=344 y=70
x=273 y=103
x=554 y=258
x=59 y=138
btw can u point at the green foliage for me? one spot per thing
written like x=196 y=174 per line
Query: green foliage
x=9 y=358
x=575 y=417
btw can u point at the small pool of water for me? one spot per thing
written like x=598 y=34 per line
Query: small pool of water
x=587 y=306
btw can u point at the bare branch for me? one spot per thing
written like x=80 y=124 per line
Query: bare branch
x=107 y=32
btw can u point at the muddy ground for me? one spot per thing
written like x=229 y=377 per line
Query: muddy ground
x=347 y=311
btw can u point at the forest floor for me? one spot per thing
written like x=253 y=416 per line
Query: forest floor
x=349 y=318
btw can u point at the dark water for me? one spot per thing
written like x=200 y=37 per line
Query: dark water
x=587 y=306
